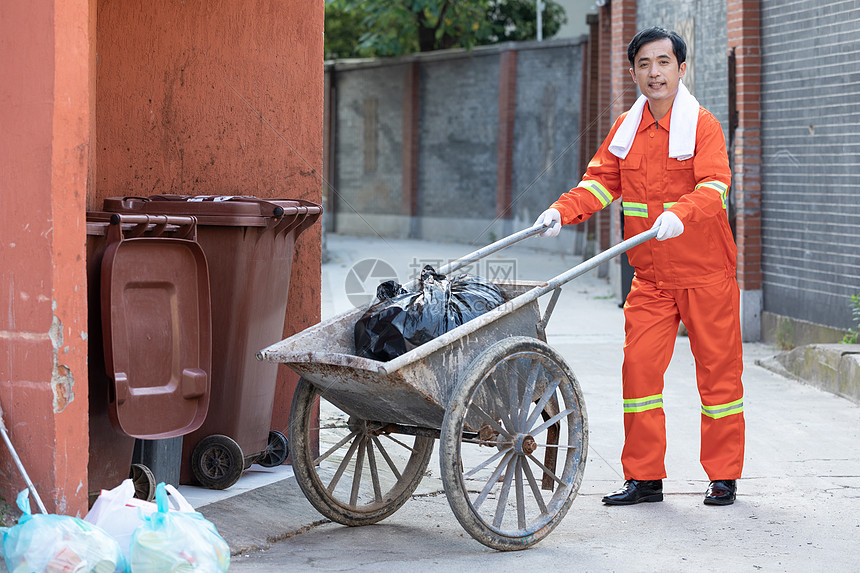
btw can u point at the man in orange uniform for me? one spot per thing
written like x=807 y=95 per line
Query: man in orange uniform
x=671 y=172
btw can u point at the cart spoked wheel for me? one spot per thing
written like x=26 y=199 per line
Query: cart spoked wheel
x=144 y=482
x=361 y=473
x=514 y=443
x=217 y=462
x=276 y=452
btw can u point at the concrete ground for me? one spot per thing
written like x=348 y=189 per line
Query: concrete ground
x=798 y=506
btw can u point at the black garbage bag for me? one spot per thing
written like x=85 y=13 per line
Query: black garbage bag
x=402 y=320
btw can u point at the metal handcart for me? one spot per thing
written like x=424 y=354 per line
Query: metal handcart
x=506 y=408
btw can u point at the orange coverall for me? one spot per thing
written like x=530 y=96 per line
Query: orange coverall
x=690 y=278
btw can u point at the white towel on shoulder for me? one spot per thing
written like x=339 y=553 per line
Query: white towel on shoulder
x=682 y=131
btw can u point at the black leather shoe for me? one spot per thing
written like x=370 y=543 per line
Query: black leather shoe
x=721 y=492
x=636 y=491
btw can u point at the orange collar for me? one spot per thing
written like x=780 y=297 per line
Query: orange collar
x=649 y=121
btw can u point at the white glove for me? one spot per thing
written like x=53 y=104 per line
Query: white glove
x=551 y=219
x=668 y=226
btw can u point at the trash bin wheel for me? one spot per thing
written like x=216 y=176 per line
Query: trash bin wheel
x=276 y=452
x=144 y=482
x=390 y=467
x=513 y=444
x=217 y=462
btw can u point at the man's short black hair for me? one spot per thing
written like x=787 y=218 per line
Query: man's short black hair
x=653 y=34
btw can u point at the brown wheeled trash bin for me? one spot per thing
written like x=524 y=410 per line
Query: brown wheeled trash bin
x=149 y=341
x=249 y=245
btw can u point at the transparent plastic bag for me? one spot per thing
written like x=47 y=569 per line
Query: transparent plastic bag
x=177 y=542
x=119 y=513
x=58 y=544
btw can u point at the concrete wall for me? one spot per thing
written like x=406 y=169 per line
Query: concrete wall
x=370 y=130
x=577 y=11
x=810 y=150
x=702 y=23
x=458 y=157
x=458 y=144
x=364 y=195
x=546 y=141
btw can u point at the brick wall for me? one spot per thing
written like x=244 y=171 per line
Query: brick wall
x=411 y=139
x=810 y=149
x=605 y=84
x=505 y=132
x=624 y=27
x=624 y=94
x=603 y=222
x=743 y=25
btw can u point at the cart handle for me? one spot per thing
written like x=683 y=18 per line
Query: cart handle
x=484 y=252
x=515 y=303
x=593 y=262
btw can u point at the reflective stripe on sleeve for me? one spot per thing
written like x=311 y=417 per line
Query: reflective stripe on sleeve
x=723 y=410
x=598 y=190
x=668 y=205
x=634 y=209
x=633 y=405
x=720 y=188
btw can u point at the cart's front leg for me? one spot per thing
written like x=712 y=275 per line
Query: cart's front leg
x=550 y=456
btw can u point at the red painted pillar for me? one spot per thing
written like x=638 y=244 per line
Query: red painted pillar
x=744 y=36
x=603 y=223
x=623 y=88
x=411 y=115
x=604 y=88
x=591 y=137
x=45 y=114
x=590 y=105
x=507 y=113
x=623 y=29
x=329 y=184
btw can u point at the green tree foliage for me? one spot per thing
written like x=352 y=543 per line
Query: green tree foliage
x=516 y=20
x=370 y=28
x=406 y=26
x=344 y=24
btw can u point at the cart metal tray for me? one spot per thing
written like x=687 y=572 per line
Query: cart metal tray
x=506 y=408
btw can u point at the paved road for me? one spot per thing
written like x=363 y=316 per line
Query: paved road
x=798 y=506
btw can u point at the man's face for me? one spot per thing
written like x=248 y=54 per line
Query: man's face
x=655 y=70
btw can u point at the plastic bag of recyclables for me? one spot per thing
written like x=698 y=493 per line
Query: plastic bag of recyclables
x=177 y=542
x=58 y=544
x=119 y=513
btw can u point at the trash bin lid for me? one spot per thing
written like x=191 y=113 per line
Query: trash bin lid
x=222 y=210
x=156 y=322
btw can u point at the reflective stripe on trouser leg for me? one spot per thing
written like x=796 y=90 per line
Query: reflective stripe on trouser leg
x=651 y=325
x=712 y=317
